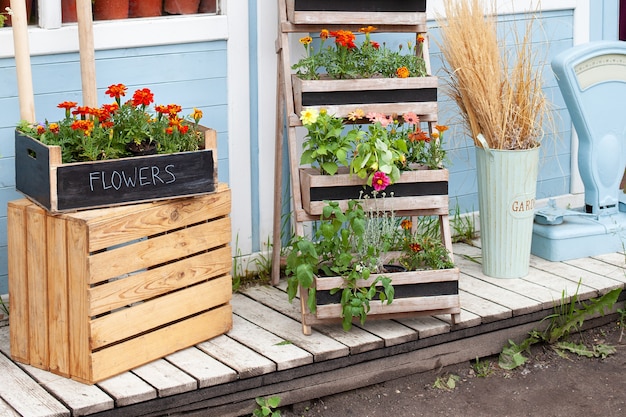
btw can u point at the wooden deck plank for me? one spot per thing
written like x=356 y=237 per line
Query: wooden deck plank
x=166 y=378
x=392 y=332
x=20 y=391
x=280 y=351
x=486 y=309
x=357 y=340
x=615 y=258
x=127 y=389
x=321 y=346
x=575 y=274
x=204 y=368
x=426 y=326
x=242 y=359
x=467 y=319
x=81 y=399
x=604 y=269
x=6 y=410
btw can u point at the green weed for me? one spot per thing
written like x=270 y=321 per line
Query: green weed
x=266 y=407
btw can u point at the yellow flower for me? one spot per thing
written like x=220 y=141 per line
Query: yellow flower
x=196 y=114
x=355 y=115
x=309 y=116
x=306 y=40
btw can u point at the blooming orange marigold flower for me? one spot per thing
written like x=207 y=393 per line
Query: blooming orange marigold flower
x=402 y=72
x=41 y=129
x=54 y=127
x=420 y=38
x=116 y=90
x=415 y=247
x=324 y=34
x=441 y=128
x=143 y=97
x=173 y=109
x=435 y=135
x=406 y=224
x=67 y=105
x=344 y=38
x=368 y=29
x=306 y=40
x=196 y=114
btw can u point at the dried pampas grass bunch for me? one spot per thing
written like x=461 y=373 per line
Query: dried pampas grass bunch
x=498 y=91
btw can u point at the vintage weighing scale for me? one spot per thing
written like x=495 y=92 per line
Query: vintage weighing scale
x=592 y=79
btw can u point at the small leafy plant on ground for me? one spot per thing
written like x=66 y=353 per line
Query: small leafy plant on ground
x=482 y=368
x=567 y=318
x=266 y=407
x=446 y=382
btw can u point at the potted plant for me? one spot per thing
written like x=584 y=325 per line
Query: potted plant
x=343 y=272
x=365 y=74
x=103 y=149
x=110 y=9
x=391 y=154
x=499 y=93
x=145 y=8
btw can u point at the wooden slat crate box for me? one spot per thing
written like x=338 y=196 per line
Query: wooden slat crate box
x=64 y=187
x=99 y=292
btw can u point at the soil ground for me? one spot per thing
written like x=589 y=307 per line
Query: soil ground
x=547 y=385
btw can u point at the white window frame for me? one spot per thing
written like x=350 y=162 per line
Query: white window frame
x=52 y=37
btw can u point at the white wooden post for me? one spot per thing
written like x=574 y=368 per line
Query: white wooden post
x=50 y=14
x=87 y=54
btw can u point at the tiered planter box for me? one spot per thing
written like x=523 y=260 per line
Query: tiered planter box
x=378 y=95
x=422 y=189
x=362 y=12
x=416 y=293
x=99 y=292
x=58 y=187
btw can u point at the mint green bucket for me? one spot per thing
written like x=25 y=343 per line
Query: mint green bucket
x=507 y=184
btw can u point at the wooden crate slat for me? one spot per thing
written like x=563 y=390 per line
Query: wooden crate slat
x=160 y=311
x=158 y=281
x=166 y=248
x=153 y=218
x=18 y=285
x=405 y=305
x=426 y=203
x=37 y=286
x=398 y=278
x=58 y=296
x=146 y=348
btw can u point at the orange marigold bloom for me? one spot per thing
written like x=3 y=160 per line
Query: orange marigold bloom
x=418 y=135
x=368 y=29
x=196 y=114
x=402 y=72
x=420 y=38
x=161 y=109
x=67 y=105
x=116 y=90
x=406 y=224
x=41 y=129
x=143 y=97
x=344 y=38
x=415 y=247
x=173 y=109
x=324 y=34
x=441 y=128
x=54 y=127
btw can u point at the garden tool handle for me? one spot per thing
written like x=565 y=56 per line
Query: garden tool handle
x=23 y=69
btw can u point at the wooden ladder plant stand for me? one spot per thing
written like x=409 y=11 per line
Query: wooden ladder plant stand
x=288 y=101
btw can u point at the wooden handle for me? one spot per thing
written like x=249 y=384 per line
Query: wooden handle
x=87 y=54
x=22 y=61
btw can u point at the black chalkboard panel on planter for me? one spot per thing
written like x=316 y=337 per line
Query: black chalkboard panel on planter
x=375 y=12
x=58 y=187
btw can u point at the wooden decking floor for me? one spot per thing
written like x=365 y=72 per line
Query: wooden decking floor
x=266 y=353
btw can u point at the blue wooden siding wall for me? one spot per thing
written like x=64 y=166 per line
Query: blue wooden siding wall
x=191 y=75
x=551 y=34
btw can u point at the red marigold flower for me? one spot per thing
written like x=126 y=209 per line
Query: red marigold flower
x=344 y=38
x=81 y=110
x=415 y=247
x=402 y=72
x=169 y=130
x=183 y=129
x=143 y=97
x=380 y=181
x=67 y=105
x=41 y=129
x=420 y=38
x=53 y=127
x=116 y=90
x=174 y=109
x=376 y=45
x=110 y=108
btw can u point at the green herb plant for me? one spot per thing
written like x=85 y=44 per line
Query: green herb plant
x=567 y=317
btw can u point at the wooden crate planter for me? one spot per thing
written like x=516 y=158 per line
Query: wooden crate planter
x=362 y=12
x=426 y=292
x=58 y=187
x=99 y=292
x=422 y=189
x=378 y=95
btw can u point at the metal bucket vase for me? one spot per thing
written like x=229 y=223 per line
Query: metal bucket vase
x=507 y=183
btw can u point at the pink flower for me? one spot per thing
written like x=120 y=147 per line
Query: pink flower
x=380 y=181
x=411 y=118
x=385 y=120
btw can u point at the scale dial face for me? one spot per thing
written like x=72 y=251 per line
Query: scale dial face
x=601 y=68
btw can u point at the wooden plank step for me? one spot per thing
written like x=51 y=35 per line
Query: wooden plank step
x=207 y=370
x=23 y=393
x=487 y=310
x=357 y=340
x=321 y=346
x=241 y=358
x=166 y=378
x=6 y=410
x=574 y=274
x=81 y=399
x=599 y=267
x=426 y=326
x=284 y=354
x=615 y=258
x=127 y=389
